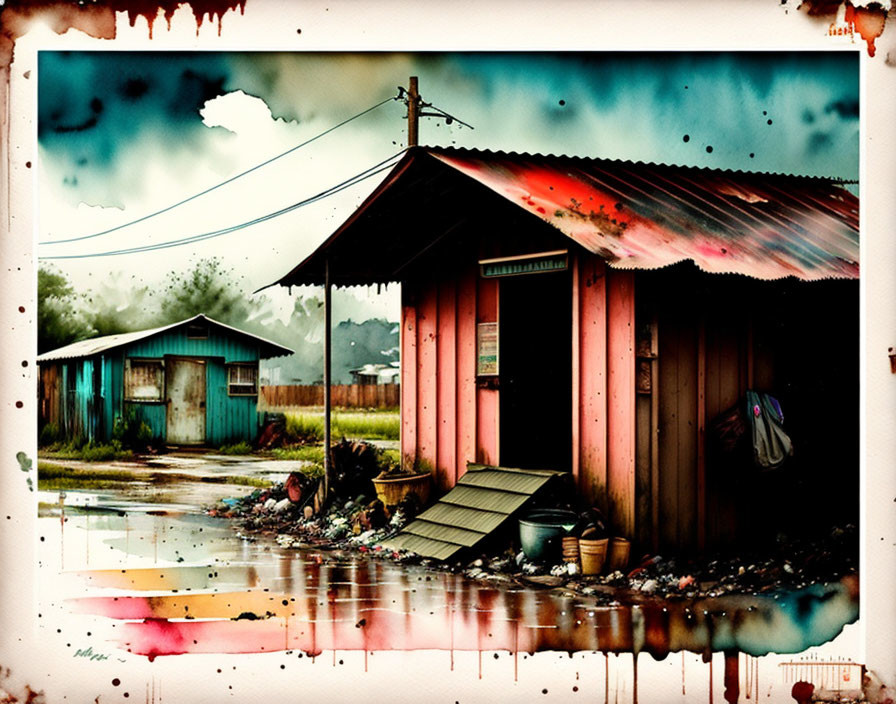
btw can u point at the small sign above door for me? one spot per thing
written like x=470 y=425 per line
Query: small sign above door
x=538 y=263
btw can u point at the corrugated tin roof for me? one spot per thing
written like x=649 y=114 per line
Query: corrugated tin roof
x=97 y=345
x=634 y=215
x=481 y=502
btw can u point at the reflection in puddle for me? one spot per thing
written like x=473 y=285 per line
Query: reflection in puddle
x=169 y=582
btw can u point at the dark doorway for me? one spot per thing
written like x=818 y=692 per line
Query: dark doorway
x=535 y=347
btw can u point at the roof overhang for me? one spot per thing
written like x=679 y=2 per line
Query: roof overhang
x=99 y=345
x=633 y=215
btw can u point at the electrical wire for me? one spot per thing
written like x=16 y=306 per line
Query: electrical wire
x=348 y=183
x=223 y=183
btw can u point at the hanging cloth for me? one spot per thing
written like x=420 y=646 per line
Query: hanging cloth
x=771 y=445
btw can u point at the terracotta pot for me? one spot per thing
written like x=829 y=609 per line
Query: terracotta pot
x=617 y=554
x=392 y=490
x=570 y=545
x=592 y=553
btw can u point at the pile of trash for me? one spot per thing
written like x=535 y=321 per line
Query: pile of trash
x=360 y=523
x=351 y=517
x=790 y=564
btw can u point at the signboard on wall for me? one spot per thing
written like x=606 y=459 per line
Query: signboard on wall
x=487 y=349
x=538 y=263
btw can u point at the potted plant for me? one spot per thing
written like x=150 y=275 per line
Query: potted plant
x=394 y=483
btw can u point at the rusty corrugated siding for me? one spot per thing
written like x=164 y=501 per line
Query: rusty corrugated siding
x=483 y=500
x=633 y=215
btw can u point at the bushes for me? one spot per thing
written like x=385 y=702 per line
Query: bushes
x=130 y=431
x=239 y=448
x=128 y=434
x=49 y=435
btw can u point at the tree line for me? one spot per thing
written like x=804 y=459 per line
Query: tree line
x=121 y=305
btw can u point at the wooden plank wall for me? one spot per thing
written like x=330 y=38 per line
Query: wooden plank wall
x=710 y=353
x=590 y=379
x=678 y=429
x=439 y=395
x=488 y=420
x=604 y=390
x=621 y=402
x=408 y=343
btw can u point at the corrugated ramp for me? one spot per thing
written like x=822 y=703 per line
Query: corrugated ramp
x=483 y=499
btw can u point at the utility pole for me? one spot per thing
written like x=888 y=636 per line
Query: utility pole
x=417 y=108
x=413 y=111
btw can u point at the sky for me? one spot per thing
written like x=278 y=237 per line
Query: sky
x=122 y=135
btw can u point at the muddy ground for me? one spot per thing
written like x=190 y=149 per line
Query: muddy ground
x=785 y=563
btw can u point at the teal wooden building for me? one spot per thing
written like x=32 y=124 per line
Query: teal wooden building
x=193 y=383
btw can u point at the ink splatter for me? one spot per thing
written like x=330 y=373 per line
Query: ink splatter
x=25 y=465
x=98 y=21
x=868 y=21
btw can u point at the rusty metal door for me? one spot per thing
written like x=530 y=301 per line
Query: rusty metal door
x=185 y=382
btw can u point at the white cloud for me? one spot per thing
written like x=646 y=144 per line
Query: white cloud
x=237 y=112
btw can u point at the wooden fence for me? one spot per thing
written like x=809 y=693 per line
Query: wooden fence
x=343 y=395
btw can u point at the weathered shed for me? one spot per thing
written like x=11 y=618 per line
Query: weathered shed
x=595 y=316
x=194 y=382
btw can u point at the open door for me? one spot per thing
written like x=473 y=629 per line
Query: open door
x=185 y=401
x=535 y=328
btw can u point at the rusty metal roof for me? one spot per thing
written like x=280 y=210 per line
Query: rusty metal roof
x=97 y=345
x=634 y=215
x=481 y=502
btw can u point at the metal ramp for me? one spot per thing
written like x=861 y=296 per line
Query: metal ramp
x=482 y=501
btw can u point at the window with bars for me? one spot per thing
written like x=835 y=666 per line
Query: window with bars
x=242 y=379
x=144 y=379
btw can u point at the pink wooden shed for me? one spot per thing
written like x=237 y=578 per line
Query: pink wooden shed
x=595 y=316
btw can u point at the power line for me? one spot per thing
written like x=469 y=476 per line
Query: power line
x=219 y=185
x=348 y=183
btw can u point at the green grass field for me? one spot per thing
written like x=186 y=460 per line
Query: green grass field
x=308 y=426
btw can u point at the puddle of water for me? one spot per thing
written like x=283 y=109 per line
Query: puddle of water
x=151 y=580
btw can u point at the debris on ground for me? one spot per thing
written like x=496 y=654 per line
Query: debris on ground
x=354 y=519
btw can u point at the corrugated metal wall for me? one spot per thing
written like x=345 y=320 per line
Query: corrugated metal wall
x=81 y=403
x=68 y=398
x=176 y=342
x=228 y=418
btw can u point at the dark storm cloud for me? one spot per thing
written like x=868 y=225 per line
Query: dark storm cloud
x=819 y=141
x=128 y=92
x=794 y=112
x=847 y=107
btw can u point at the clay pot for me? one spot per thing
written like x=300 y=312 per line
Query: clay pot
x=618 y=554
x=592 y=553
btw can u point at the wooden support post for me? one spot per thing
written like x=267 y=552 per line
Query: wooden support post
x=655 y=433
x=576 y=371
x=328 y=315
x=701 y=433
